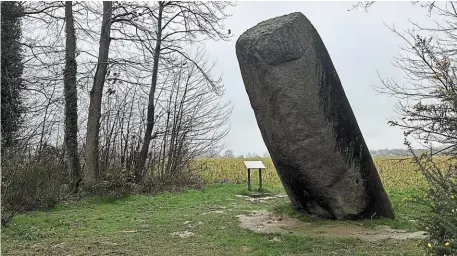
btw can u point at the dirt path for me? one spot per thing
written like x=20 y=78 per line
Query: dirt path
x=266 y=222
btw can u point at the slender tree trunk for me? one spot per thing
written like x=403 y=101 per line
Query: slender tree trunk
x=71 y=100
x=109 y=141
x=43 y=127
x=127 y=136
x=91 y=170
x=139 y=174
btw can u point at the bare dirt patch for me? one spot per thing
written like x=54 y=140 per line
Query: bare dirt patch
x=266 y=222
x=260 y=198
x=183 y=234
x=215 y=211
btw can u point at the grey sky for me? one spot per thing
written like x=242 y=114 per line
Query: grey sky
x=359 y=44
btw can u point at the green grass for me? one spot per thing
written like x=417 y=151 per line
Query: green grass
x=142 y=225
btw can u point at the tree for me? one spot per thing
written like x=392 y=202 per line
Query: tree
x=71 y=99
x=427 y=106
x=428 y=101
x=91 y=169
x=43 y=45
x=428 y=111
x=12 y=67
x=192 y=123
x=229 y=154
x=113 y=76
x=178 y=23
x=150 y=115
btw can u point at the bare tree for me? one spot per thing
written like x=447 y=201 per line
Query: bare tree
x=428 y=101
x=150 y=116
x=188 y=117
x=91 y=169
x=191 y=121
x=364 y=5
x=44 y=66
x=428 y=112
x=178 y=23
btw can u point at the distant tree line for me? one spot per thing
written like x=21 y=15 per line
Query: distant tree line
x=229 y=154
x=396 y=152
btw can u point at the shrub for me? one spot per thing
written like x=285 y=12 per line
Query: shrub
x=176 y=179
x=115 y=182
x=30 y=183
x=118 y=181
x=441 y=197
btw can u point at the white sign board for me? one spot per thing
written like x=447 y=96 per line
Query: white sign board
x=254 y=164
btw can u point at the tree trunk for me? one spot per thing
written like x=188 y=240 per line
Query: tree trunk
x=91 y=170
x=139 y=174
x=71 y=100
x=12 y=68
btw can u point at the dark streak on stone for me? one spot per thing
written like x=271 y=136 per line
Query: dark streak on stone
x=337 y=111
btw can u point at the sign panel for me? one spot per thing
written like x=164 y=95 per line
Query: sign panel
x=254 y=164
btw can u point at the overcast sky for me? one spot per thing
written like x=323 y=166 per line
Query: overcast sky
x=359 y=45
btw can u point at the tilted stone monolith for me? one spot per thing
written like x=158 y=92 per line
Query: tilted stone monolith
x=306 y=121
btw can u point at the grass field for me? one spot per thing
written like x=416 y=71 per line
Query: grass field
x=144 y=225
x=150 y=225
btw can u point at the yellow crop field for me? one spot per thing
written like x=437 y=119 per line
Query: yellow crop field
x=395 y=172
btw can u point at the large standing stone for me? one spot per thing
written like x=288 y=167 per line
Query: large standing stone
x=306 y=121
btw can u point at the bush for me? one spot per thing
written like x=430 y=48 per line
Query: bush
x=115 y=182
x=30 y=183
x=441 y=197
x=176 y=179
